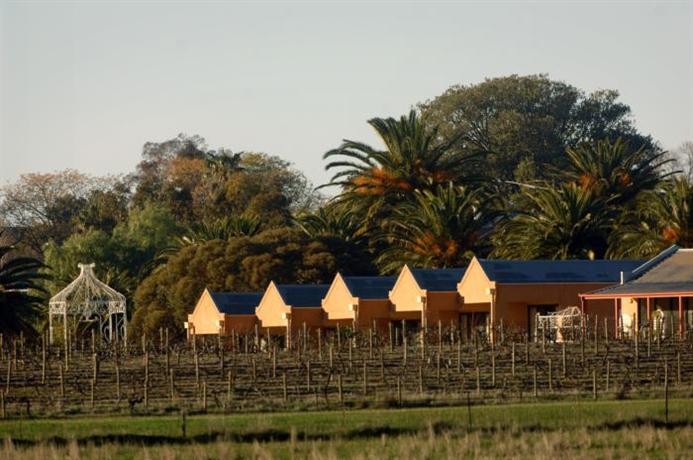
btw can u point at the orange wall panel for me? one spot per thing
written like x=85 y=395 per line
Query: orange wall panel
x=241 y=324
x=312 y=317
x=205 y=317
x=370 y=311
x=440 y=301
x=336 y=302
x=475 y=285
x=405 y=292
x=271 y=309
x=512 y=300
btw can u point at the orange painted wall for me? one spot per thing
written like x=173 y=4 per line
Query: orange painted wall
x=271 y=309
x=336 y=307
x=337 y=300
x=475 y=285
x=312 y=317
x=205 y=317
x=242 y=324
x=601 y=308
x=406 y=315
x=512 y=300
x=443 y=306
x=475 y=308
x=371 y=310
x=405 y=292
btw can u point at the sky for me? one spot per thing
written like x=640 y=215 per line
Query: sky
x=84 y=85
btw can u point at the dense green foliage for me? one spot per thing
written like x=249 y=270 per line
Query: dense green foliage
x=124 y=256
x=285 y=255
x=439 y=228
x=517 y=167
x=21 y=292
x=519 y=124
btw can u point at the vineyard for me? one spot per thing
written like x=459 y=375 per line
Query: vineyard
x=335 y=369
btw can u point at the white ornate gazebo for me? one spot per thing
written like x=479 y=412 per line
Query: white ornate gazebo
x=89 y=300
x=560 y=323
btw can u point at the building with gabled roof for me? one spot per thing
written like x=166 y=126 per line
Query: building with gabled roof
x=515 y=291
x=223 y=312
x=285 y=308
x=656 y=294
x=358 y=301
x=426 y=296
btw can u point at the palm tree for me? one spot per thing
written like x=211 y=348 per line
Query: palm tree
x=21 y=291
x=414 y=158
x=563 y=222
x=443 y=227
x=223 y=163
x=663 y=216
x=333 y=220
x=614 y=170
x=223 y=229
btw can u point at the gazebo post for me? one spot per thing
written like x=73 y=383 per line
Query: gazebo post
x=110 y=326
x=65 y=333
x=50 y=328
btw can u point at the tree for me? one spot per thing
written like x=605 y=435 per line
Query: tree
x=21 y=291
x=347 y=235
x=123 y=258
x=437 y=229
x=527 y=121
x=224 y=229
x=198 y=184
x=267 y=187
x=284 y=255
x=45 y=206
x=662 y=217
x=414 y=158
x=613 y=170
x=561 y=222
x=683 y=159
x=333 y=220
x=104 y=209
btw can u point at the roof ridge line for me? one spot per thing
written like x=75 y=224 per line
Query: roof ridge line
x=653 y=262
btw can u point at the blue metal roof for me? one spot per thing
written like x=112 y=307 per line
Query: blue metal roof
x=303 y=295
x=236 y=303
x=438 y=279
x=370 y=287
x=558 y=271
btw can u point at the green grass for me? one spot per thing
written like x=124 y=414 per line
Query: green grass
x=606 y=429
x=538 y=416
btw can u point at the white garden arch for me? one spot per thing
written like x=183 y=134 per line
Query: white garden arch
x=89 y=300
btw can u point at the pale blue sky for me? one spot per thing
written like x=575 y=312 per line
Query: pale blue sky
x=83 y=85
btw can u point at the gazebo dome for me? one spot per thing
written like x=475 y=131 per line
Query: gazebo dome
x=88 y=299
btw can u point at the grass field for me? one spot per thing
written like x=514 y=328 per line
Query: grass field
x=602 y=429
